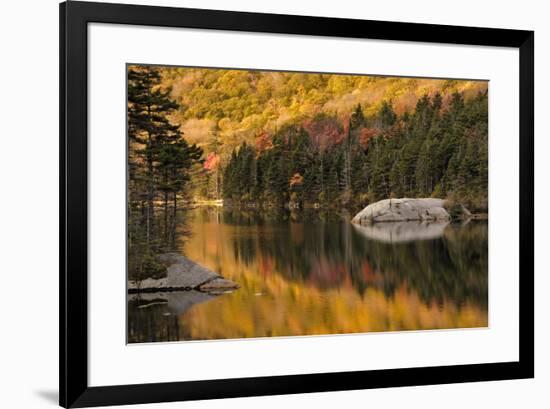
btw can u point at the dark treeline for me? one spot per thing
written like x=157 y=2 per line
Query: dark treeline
x=438 y=150
x=159 y=164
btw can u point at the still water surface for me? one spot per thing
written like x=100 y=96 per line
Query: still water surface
x=305 y=274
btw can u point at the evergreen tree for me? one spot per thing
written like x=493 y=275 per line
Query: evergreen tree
x=149 y=127
x=159 y=163
x=387 y=116
x=357 y=119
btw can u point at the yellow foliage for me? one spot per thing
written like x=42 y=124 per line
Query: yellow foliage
x=244 y=104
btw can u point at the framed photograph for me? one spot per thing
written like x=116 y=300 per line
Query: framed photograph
x=256 y=204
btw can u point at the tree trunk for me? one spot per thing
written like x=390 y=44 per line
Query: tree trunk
x=166 y=215
x=174 y=214
x=150 y=189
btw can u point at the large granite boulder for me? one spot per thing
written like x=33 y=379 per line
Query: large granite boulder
x=403 y=210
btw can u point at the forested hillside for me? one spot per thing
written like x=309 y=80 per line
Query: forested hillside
x=339 y=140
x=429 y=151
x=238 y=105
x=272 y=138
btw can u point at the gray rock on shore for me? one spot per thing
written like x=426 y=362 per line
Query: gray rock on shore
x=403 y=210
x=183 y=274
x=186 y=273
x=218 y=284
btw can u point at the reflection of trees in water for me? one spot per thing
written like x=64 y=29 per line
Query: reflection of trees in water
x=156 y=316
x=327 y=253
x=454 y=267
x=152 y=323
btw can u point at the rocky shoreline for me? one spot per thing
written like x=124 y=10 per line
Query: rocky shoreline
x=182 y=274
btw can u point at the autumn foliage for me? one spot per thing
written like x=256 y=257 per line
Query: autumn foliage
x=351 y=138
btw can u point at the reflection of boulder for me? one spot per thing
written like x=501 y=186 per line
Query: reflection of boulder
x=400 y=232
x=177 y=301
x=402 y=210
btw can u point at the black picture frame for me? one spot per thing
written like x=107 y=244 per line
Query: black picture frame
x=73 y=352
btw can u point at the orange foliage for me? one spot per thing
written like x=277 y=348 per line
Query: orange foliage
x=324 y=130
x=212 y=161
x=263 y=142
x=366 y=134
x=296 y=180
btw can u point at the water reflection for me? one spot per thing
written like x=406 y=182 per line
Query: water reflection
x=401 y=232
x=304 y=274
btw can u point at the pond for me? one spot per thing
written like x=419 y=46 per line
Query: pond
x=307 y=273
